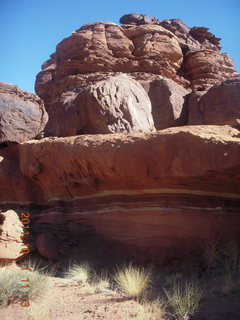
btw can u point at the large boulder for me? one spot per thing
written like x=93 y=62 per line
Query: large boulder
x=169 y=103
x=11 y=232
x=99 y=50
x=221 y=104
x=138 y=19
x=118 y=104
x=22 y=114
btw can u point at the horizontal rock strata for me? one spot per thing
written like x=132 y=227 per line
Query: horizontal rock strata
x=142 y=191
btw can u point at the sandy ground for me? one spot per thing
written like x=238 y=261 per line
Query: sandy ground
x=67 y=300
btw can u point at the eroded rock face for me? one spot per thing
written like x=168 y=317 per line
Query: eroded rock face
x=47 y=246
x=195 y=111
x=11 y=231
x=98 y=51
x=144 y=48
x=138 y=19
x=118 y=104
x=221 y=104
x=159 y=193
x=22 y=114
x=206 y=68
x=101 y=162
x=196 y=38
x=169 y=103
x=177 y=185
x=189 y=38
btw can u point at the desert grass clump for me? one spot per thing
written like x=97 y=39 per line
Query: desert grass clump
x=42 y=267
x=38 y=312
x=79 y=272
x=153 y=310
x=184 y=298
x=230 y=277
x=134 y=281
x=100 y=282
x=12 y=284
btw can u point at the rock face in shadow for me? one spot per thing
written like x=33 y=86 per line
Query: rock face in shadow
x=221 y=104
x=11 y=231
x=22 y=114
x=169 y=103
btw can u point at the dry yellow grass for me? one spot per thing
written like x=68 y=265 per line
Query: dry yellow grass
x=154 y=310
x=79 y=272
x=184 y=298
x=134 y=281
x=12 y=282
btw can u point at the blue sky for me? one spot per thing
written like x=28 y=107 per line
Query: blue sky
x=31 y=29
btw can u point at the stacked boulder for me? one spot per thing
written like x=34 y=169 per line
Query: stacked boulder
x=143 y=76
x=89 y=84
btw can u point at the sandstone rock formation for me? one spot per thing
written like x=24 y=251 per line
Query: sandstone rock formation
x=161 y=193
x=118 y=104
x=221 y=104
x=11 y=231
x=195 y=113
x=169 y=103
x=189 y=38
x=154 y=192
x=138 y=19
x=207 y=67
x=144 y=48
x=22 y=114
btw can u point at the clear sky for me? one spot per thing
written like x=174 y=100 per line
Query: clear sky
x=31 y=29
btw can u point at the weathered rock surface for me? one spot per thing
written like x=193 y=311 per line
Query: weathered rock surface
x=207 y=67
x=138 y=19
x=189 y=38
x=195 y=38
x=169 y=103
x=46 y=245
x=144 y=48
x=99 y=50
x=161 y=193
x=22 y=114
x=195 y=112
x=221 y=104
x=118 y=104
x=11 y=231
x=206 y=39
